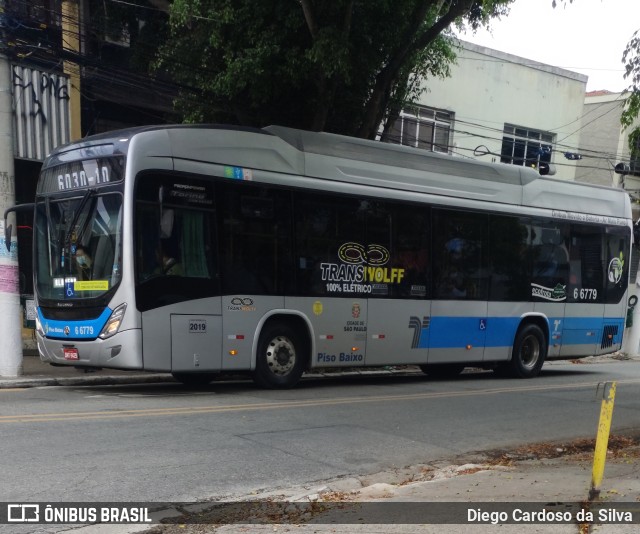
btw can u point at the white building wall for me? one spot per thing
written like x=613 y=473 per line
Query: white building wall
x=489 y=88
x=604 y=143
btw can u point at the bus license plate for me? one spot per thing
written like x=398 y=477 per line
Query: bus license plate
x=70 y=354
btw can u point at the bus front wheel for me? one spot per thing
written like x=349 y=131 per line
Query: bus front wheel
x=280 y=358
x=529 y=352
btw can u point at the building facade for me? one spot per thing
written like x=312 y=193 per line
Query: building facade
x=605 y=144
x=499 y=107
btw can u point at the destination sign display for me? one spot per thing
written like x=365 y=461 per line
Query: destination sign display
x=82 y=174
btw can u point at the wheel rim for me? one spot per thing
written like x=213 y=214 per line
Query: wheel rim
x=280 y=355
x=530 y=352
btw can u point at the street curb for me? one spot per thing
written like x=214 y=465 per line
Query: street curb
x=20 y=382
x=151 y=378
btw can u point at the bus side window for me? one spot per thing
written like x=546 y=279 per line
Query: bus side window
x=460 y=251
x=510 y=258
x=323 y=223
x=256 y=239
x=411 y=251
x=586 y=276
x=617 y=264
x=551 y=257
x=196 y=243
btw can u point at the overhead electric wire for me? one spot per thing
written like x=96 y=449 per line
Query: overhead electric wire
x=125 y=77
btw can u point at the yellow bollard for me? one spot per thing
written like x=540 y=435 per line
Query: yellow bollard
x=602 y=439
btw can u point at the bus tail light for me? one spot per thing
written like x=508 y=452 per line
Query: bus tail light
x=113 y=324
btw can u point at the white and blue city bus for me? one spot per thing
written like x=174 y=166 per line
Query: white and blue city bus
x=295 y=250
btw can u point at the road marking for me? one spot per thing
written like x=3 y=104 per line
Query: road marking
x=278 y=405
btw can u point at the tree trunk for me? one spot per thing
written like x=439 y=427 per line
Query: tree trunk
x=326 y=86
x=413 y=40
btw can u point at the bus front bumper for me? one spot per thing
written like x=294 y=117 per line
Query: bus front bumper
x=121 y=351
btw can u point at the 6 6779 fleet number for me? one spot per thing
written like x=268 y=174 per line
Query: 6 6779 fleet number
x=585 y=294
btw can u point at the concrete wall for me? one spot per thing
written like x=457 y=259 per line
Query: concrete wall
x=603 y=141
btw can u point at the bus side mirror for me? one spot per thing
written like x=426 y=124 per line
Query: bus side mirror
x=8 y=229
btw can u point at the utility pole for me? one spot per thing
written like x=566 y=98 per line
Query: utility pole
x=10 y=327
x=71 y=43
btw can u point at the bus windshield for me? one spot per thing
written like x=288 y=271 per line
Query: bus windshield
x=78 y=245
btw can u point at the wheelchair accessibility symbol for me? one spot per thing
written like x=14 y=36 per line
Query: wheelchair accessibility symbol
x=483 y=324
x=68 y=290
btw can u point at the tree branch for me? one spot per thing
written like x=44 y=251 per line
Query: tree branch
x=411 y=43
x=309 y=17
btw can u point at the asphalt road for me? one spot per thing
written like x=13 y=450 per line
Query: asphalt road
x=162 y=442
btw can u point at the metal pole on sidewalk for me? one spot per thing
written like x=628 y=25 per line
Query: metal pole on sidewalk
x=10 y=327
x=602 y=439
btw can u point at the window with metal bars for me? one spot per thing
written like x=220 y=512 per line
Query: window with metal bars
x=422 y=127
x=525 y=146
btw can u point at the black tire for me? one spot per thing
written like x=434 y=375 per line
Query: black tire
x=529 y=352
x=442 y=370
x=194 y=379
x=281 y=357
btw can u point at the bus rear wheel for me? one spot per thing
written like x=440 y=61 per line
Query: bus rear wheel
x=529 y=352
x=280 y=359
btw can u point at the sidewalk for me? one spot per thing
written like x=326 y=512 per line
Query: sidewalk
x=36 y=373
x=538 y=477
x=542 y=473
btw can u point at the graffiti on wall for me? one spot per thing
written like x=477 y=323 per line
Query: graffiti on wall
x=38 y=88
x=41 y=105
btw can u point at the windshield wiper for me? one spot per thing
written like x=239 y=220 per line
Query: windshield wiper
x=90 y=193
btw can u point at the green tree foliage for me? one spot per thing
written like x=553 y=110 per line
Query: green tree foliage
x=344 y=66
x=631 y=60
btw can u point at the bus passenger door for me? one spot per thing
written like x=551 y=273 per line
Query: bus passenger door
x=460 y=287
x=582 y=327
x=581 y=330
x=398 y=332
x=618 y=262
x=195 y=342
x=398 y=271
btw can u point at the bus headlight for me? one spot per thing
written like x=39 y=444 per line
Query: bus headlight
x=113 y=324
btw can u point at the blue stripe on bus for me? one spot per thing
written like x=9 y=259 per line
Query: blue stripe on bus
x=87 y=329
x=581 y=323
x=451 y=332
x=423 y=342
x=501 y=331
